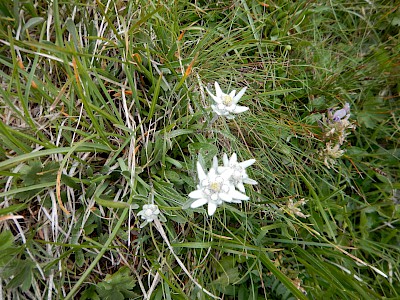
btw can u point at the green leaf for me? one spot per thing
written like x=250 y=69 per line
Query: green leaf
x=117 y=286
x=178 y=132
x=6 y=240
x=173 y=177
x=68 y=181
x=22 y=275
x=90 y=294
x=369 y=119
x=174 y=162
x=206 y=150
x=12 y=209
x=32 y=22
x=282 y=277
x=155 y=98
x=81 y=147
x=4 y=10
x=71 y=27
x=79 y=257
x=23 y=191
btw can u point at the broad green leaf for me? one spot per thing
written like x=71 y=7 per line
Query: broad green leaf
x=32 y=22
x=117 y=286
x=6 y=240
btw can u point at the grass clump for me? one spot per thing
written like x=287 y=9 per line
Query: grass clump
x=104 y=109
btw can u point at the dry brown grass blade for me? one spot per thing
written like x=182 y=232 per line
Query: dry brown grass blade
x=58 y=193
x=10 y=217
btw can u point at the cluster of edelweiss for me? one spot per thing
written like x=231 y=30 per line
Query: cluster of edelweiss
x=335 y=125
x=221 y=183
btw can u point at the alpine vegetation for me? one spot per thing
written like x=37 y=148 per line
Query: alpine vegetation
x=114 y=120
x=226 y=104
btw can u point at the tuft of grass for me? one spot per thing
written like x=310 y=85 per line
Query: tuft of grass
x=103 y=109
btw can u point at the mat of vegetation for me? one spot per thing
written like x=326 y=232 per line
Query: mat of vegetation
x=111 y=118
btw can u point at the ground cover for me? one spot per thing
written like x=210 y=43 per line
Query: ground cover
x=106 y=107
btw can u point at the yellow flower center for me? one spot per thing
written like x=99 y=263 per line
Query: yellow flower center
x=227 y=100
x=215 y=186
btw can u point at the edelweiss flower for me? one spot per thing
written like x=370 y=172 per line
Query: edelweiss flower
x=226 y=104
x=214 y=188
x=239 y=175
x=148 y=213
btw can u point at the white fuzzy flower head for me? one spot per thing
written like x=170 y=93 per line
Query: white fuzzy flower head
x=226 y=104
x=214 y=188
x=149 y=213
x=239 y=175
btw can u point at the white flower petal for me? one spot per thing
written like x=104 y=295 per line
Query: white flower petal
x=144 y=224
x=249 y=181
x=215 y=98
x=232 y=94
x=239 y=109
x=215 y=163
x=220 y=109
x=230 y=117
x=221 y=169
x=233 y=159
x=197 y=194
x=236 y=201
x=225 y=160
x=227 y=173
x=247 y=163
x=209 y=92
x=216 y=110
x=198 y=203
x=218 y=91
x=231 y=108
x=239 y=95
x=212 y=207
x=212 y=174
x=202 y=175
x=238 y=195
x=225 y=197
x=240 y=186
